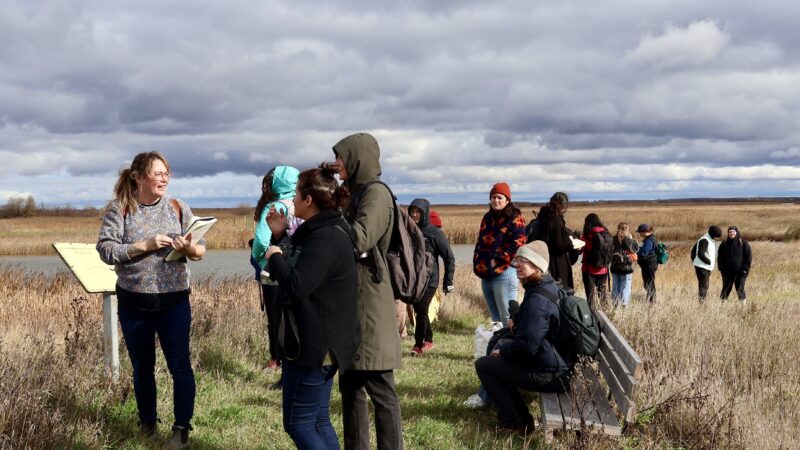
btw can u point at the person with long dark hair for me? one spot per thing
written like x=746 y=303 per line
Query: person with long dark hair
x=277 y=191
x=622 y=260
x=501 y=233
x=595 y=278
x=140 y=228
x=555 y=233
x=734 y=260
x=648 y=261
x=317 y=286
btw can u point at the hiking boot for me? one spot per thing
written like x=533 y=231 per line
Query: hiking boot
x=147 y=430
x=475 y=402
x=179 y=439
x=427 y=345
x=416 y=351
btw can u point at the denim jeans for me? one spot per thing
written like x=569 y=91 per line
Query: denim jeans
x=498 y=291
x=306 y=399
x=621 y=288
x=172 y=326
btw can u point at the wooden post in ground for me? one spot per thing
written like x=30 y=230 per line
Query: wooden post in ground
x=111 y=335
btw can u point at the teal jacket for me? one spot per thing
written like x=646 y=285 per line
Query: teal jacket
x=284 y=183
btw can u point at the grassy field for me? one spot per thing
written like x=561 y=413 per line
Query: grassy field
x=672 y=222
x=716 y=375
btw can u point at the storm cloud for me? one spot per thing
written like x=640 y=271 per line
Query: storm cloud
x=649 y=99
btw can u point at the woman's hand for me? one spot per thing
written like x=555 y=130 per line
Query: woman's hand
x=271 y=251
x=186 y=247
x=158 y=242
x=277 y=222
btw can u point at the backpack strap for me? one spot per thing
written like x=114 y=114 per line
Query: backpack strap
x=555 y=298
x=177 y=207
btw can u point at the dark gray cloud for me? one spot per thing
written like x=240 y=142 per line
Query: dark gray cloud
x=458 y=93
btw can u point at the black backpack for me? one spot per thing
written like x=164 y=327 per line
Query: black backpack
x=407 y=258
x=578 y=330
x=602 y=249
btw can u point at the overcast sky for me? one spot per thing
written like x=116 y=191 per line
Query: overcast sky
x=604 y=100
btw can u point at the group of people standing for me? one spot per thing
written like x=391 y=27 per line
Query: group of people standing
x=733 y=258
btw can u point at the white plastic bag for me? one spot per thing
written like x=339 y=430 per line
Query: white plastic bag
x=482 y=337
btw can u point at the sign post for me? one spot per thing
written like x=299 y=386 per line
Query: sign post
x=97 y=277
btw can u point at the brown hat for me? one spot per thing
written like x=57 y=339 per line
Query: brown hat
x=536 y=252
x=501 y=188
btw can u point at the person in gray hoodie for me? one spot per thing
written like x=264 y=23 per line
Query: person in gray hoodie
x=370 y=215
x=438 y=246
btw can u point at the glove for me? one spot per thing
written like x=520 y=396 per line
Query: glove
x=448 y=289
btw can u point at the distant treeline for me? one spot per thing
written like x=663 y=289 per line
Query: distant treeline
x=27 y=207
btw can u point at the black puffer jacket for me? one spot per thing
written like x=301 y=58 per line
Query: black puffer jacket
x=734 y=256
x=321 y=289
x=621 y=261
x=437 y=245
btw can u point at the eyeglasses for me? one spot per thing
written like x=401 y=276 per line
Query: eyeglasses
x=164 y=175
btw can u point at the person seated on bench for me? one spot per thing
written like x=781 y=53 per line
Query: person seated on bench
x=529 y=361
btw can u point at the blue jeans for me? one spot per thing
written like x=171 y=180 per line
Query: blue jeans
x=172 y=326
x=306 y=399
x=621 y=288
x=498 y=291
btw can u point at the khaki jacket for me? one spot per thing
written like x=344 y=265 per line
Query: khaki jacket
x=371 y=224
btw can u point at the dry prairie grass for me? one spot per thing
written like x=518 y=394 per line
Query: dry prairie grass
x=672 y=222
x=716 y=375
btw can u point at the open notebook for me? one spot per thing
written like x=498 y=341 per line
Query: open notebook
x=198 y=226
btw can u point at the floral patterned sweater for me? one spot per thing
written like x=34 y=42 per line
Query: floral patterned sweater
x=498 y=241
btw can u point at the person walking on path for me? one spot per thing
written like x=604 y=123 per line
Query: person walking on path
x=622 y=260
x=277 y=191
x=370 y=214
x=317 y=289
x=734 y=260
x=141 y=226
x=555 y=233
x=648 y=262
x=529 y=360
x=502 y=232
x=438 y=245
x=704 y=255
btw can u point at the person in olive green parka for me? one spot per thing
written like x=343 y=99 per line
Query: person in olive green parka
x=370 y=215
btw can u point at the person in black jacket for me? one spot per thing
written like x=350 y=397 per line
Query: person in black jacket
x=438 y=245
x=554 y=232
x=530 y=360
x=622 y=260
x=734 y=259
x=317 y=284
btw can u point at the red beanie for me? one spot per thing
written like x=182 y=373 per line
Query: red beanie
x=501 y=188
x=435 y=219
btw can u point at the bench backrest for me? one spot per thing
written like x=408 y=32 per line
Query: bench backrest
x=621 y=367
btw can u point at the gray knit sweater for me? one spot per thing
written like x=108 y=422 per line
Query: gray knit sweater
x=146 y=273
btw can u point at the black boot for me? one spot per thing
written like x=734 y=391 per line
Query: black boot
x=179 y=439
x=147 y=430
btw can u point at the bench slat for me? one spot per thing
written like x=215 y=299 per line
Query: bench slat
x=631 y=359
x=551 y=411
x=604 y=410
x=628 y=383
x=574 y=410
x=626 y=407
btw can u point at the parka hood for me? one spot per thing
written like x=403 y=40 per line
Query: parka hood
x=284 y=182
x=361 y=156
x=423 y=206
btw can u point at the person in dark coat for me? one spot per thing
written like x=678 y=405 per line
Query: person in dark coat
x=438 y=246
x=555 y=233
x=317 y=285
x=595 y=279
x=648 y=261
x=734 y=259
x=529 y=360
x=622 y=260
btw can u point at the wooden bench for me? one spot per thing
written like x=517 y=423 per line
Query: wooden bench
x=586 y=407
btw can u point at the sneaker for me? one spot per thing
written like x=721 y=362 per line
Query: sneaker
x=273 y=365
x=416 y=351
x=496 y=326
x=179 y=439
x=427 y=345
x=743 y=301
x=475 y=402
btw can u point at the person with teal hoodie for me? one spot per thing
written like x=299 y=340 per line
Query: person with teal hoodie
x=277 y=191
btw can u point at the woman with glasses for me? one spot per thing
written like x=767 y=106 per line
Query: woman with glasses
x=141 y=226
